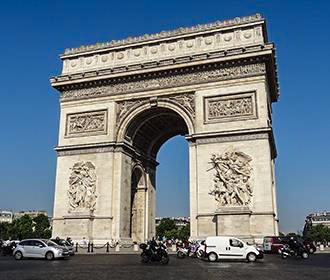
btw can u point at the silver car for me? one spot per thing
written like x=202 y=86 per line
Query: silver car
x=39 y=248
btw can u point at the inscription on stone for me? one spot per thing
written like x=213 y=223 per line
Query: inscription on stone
x=87 y=123
x=230 y=108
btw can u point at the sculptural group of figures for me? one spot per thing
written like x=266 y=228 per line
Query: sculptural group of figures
x=82 y=186
x=231 y=182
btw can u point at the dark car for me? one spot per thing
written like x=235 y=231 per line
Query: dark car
x=64 y=243
x=274 y=244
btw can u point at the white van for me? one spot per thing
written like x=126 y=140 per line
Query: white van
x=225 y=247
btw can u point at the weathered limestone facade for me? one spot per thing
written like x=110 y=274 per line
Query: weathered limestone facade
x=120 y=101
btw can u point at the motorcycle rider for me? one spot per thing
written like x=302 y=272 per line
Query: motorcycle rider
x=296 y=245
x=153 y=245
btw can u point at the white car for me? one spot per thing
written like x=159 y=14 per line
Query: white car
x=225 y=247
x=39 y=248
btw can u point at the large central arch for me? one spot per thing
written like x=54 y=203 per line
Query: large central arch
x=120 y=101
x=145 y=129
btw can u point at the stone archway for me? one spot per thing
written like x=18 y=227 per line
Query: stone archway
x=120 y=101
x=145 y=132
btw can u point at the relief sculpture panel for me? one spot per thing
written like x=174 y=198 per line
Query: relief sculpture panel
x=231 y=182
x=82 y=187
x=230 y=108
x=87 y=123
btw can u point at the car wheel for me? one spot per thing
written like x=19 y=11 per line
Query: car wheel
x=18 y=255
x=304 y=255
x=251 y=257
x=212 y=257
x=49 y=256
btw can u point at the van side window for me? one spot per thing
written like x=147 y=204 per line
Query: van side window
x=235 y=243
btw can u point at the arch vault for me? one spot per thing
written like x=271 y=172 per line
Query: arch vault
x=120 y=101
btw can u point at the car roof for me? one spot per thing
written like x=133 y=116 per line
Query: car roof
x=33 y=239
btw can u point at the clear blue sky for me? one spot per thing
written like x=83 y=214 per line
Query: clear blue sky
x=34 y=33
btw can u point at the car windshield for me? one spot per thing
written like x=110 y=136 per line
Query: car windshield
x=51 y=243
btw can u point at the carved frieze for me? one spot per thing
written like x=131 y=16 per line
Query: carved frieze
x=231 y=182
x=230 y=107
x=87 y=123
x=165 y=80
x=185 y=100
x=82 y=187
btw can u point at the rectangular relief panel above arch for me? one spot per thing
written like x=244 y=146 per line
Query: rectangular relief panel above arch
x=230 y=107
x=86 y=123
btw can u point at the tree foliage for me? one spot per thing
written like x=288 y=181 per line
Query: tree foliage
x=26 y=227
x=166 y=225
x=318 y=233
x=168 y=229
x=42 y=227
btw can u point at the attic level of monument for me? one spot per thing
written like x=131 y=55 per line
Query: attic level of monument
x=182 y=32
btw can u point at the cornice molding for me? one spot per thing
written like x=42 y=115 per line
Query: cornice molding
x=166 y=79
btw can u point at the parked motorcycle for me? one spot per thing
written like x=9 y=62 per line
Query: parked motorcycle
x=188 y=251
x=153 y=252
x=8 y=249
x=287 y=251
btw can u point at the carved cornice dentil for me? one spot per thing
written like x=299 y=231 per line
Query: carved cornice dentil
x=165 y=34
x=165 y=79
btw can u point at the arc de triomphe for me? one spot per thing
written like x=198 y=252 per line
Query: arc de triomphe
x=120 y=101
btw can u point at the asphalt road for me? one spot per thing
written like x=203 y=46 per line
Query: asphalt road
x=114 y=267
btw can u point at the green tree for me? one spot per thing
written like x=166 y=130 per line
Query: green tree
x=165 y=225
x=13 y=230
x=318 y=233
x=171 y=234
x=23 y=228
x=184 y=232
x=4 y=228
x=41 y=227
